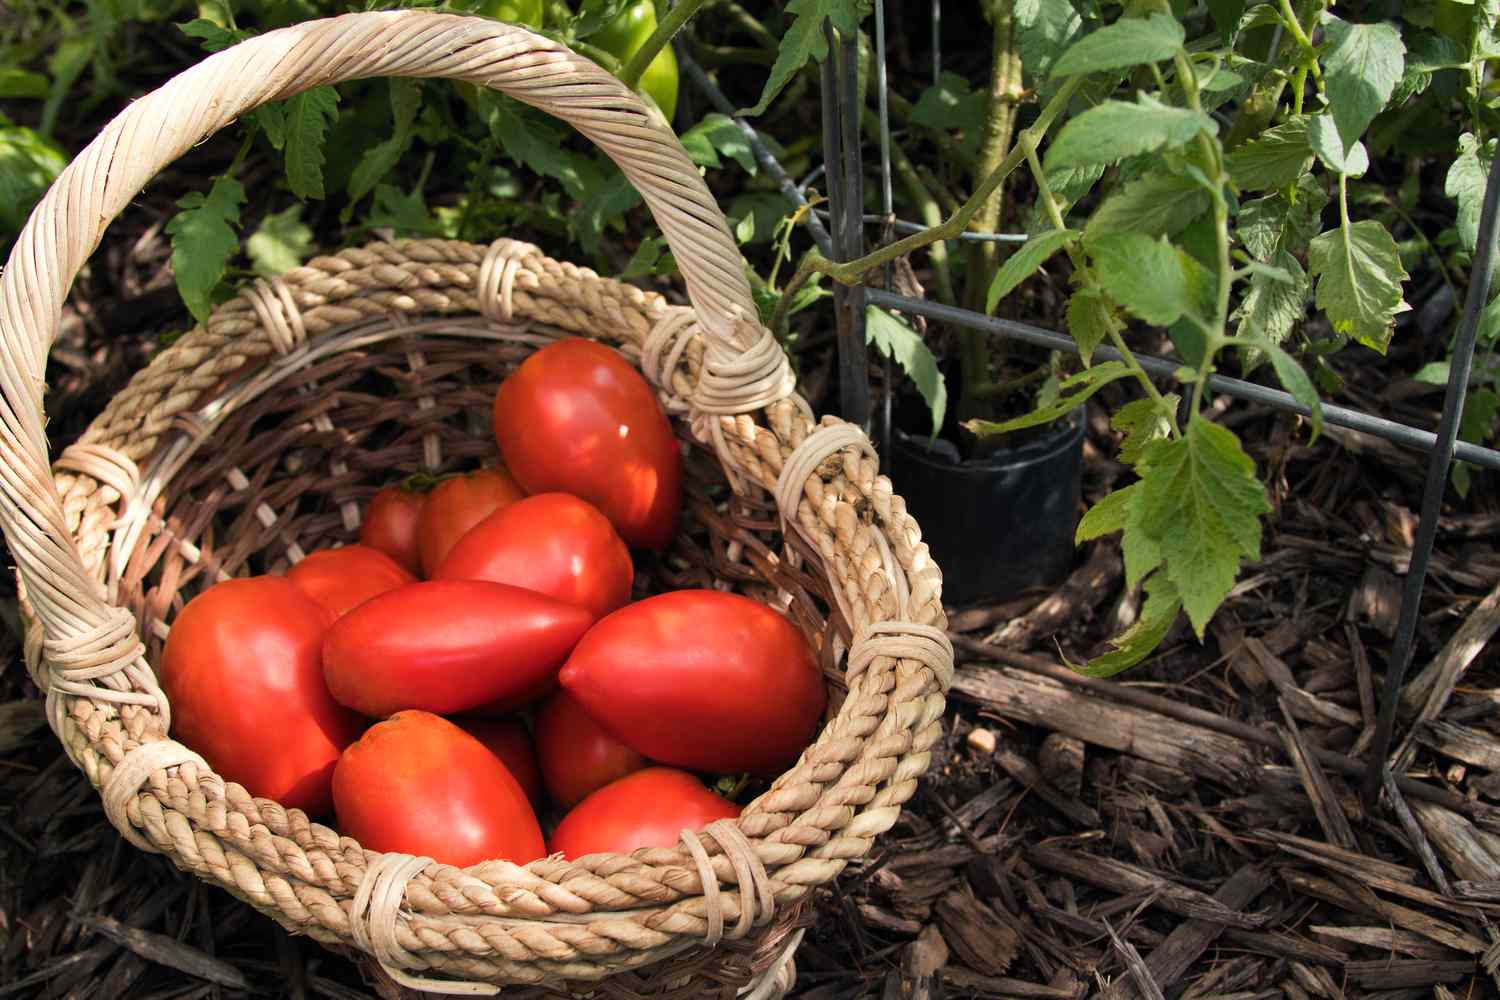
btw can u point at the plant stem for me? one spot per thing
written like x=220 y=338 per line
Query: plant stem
x=999 y=129
x=749 y=24
x=926 y=207
x=660 y=38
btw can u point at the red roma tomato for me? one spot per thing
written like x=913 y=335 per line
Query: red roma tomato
x=342 y=579
x=456 y=505
x=390 y=525
x=577 y=418
x=701 y=679
x=553 y=543
x=418 y=784
x=448 y=646
x=649 y=808
x=243 y=671
x=577 y=756
x=508 y=740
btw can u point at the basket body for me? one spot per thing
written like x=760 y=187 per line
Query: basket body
x=259 y=437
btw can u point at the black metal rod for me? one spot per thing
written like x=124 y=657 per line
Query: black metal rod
x=1340 y=416
x=1438 y=461
x=845 y=175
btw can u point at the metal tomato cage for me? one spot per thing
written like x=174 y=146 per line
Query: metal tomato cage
x=844 y=239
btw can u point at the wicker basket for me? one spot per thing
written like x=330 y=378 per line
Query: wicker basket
x=258 y=436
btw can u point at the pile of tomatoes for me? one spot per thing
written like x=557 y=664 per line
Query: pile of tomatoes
x=474 y=667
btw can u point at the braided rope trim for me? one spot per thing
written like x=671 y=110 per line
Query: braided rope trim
x=551 y=920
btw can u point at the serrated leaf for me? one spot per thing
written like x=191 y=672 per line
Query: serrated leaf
x=650 y=258
x=1323 y=136
x=1070 y=183
x=1272 y=308
x=606 y=202
x=308 y=116
x=1088 y=321
x=534 y=143
x=203 y=240
x=1115 y=129
x=1158 y=613
x=1107 y=516
x=1295 y=380
x=805 y=42
x=1142 y=421
x=405 y=213
x=1361 y=68
x=1226 y=15
x=379 y=160
x=1025 y=261
x=1157 y=204
x=1044 y=29
x=1426 y=54
x=1202 y=504
x=1150 y=277
x=28 y=165
x=1130 y=41
x=281 y=242
x=213 y=37
x=1074 y=391
x=1465 y=185
x=1277 y=158
x=272 y=120
x=950 y=104
x=1140 y=550
x=1266 y=225
x=1359 y=276
x=892 y=336
x=718 y=133
x=1478 y=420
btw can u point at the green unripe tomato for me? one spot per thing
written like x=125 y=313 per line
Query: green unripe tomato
x=624 y=36
x=527 y=12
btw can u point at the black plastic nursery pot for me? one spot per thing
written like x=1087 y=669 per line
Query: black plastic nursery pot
x=999 y=524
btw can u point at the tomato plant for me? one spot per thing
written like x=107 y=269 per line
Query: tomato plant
x=390 y=525
x=342 y=579
x=577 y=418
x=624 y=36
x=701 y=679
x=649 y=808
x=576 y=755
x=243 y=670
x=449 y=646
x=455 y=505
x=418 y=784
x=553 y=543
x=509 y=740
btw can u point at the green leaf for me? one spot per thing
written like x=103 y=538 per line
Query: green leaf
x=652 y=257
x=308 y=116
x=1226 y=15
x=535 y=143
x=1359 y=276
x=1044 y=29
x=804 y=42
x=1086 y=382
x=28 y=165
x=1088 y=321
x=1426 y=54
x=1295 y=380
x=1157 y=204
x=1115 y=129
x=1141 y=551
x=950 y=104
x=380 y=159
x=1266 y=225
x=892 y=336
x=1107 y=516
x=1433 y=373
x=1070 y=183
x=1271 y=309
x=1361 y=68
x=1465 y=185
x=281 y=242
x=203 y=240
x=1142 y=421
x=1150 y=277
x=1478 y=420
x=607 y=202
x=405 y=213
x=213 y=37
x=1027 y=258
x=16 y=82
x=593 y=15
x=1130 y=41
x=1323 y=136
x=272 y=120
x=1158 y=613
x=718 y=133
x=1274 y=160
x=1202 y=504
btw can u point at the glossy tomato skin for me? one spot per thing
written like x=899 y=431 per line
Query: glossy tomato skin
x=243 y=671
x=701 y=679
x=576 y=755
x=577 y=418
x=448 y=646
x=456 y=505
x=342 y=579
x=390 y=525
x=553 y=543
x=649 y=808
x=418 y=784
x=509 y=740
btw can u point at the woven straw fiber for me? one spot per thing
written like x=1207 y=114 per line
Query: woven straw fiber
x=260 y=435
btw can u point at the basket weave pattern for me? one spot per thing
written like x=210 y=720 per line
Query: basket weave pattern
x=258 y=436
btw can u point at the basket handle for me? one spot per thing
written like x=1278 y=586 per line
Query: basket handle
x=68 y=224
